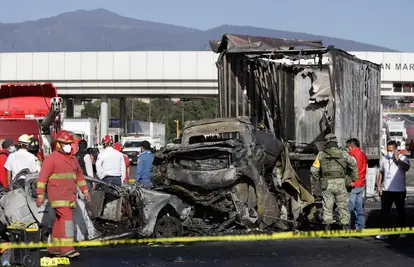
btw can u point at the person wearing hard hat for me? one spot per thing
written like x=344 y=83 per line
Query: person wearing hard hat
x=34 y=148
x=118 y=146
x=110 y=165
x=22 y=159
x=61 y=174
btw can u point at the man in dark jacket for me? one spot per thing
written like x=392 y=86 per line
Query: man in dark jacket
x=85 y=161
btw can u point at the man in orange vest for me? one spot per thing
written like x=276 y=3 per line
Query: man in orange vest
x=61 y=174
x=118 y=146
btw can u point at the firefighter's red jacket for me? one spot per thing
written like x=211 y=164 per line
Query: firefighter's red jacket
x=127 y=165
x=61 y=174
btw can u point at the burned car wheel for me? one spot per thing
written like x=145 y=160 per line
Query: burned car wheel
x=168 y=226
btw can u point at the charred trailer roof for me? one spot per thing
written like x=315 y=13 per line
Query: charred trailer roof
x=300 y=90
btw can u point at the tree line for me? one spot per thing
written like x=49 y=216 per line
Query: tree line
x=158 y=110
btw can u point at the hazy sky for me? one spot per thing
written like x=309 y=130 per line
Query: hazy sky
x=380 y=22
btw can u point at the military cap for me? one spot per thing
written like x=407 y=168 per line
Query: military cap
x=331 y=138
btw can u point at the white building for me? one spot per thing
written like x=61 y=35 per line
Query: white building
x=397 y=75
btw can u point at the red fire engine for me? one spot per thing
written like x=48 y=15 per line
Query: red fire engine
x=30 y=108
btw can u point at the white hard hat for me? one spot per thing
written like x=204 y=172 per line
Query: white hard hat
x=25 y=138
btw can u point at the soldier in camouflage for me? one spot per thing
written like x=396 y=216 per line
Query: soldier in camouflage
x=334 y=169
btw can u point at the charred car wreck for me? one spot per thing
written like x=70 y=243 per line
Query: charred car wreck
x=113 y=212
x=232 y=175
x=278 y=98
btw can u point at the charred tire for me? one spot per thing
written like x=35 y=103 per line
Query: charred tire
x=28 y=261
x=168 y=226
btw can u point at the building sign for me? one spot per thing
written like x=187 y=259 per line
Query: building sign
x=398 y=66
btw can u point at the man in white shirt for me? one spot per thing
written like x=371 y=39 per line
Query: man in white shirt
x=110 y=165
x=22 y=159
x=392 y=184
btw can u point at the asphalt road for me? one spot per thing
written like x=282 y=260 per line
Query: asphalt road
x=133 y=171
x=304 y=252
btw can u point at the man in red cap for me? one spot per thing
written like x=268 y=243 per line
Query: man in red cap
x=61 y=174
x=110 y=165
x=118 y=146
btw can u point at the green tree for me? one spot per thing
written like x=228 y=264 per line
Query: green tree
x=90 y=109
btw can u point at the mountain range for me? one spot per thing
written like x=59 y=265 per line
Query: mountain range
x=103 y=30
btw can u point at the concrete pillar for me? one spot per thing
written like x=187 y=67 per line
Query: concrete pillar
x=78 y=107
x=70 y=107
x=104 y=115
x=122 y=114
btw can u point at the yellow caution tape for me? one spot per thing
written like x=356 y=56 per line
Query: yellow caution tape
x=46 y=261
x=192 y=239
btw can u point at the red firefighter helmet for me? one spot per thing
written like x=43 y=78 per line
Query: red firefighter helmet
x=118 y=146
x=107 y=139
x=64 y=137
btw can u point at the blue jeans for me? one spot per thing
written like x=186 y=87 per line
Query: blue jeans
x=145 y=182
x=356 y=207
x=115 y=180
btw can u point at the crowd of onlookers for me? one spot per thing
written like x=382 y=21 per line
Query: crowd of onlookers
x=109 y=164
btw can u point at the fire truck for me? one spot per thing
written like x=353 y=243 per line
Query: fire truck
x=30 y=108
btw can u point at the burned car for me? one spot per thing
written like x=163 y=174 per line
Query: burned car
x=113 y=212
x=233 y=176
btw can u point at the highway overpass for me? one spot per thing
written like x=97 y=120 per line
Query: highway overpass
x=160 y=73
x=138 y=74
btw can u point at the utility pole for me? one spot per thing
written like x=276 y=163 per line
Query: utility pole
x=182 y=112
x=149 y=109
x=132 y=108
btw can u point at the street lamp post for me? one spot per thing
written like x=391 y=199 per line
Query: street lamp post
x=177 y=127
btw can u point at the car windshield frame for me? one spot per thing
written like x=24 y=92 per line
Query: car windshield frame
x=131 y=144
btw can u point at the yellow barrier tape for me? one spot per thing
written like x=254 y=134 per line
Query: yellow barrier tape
x=46 y=261
x=193 y=239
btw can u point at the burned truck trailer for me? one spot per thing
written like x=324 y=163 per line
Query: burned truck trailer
x=300 y=91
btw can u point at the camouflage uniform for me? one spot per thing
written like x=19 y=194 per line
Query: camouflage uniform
x=330 y=169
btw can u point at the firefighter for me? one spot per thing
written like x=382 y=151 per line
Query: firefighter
x=110 y=165
x=61 y=174
x=34 y=148
x=118 y=146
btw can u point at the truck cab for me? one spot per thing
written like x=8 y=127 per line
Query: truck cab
x=398 y=132
x=30 y=108
x=132 y=147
